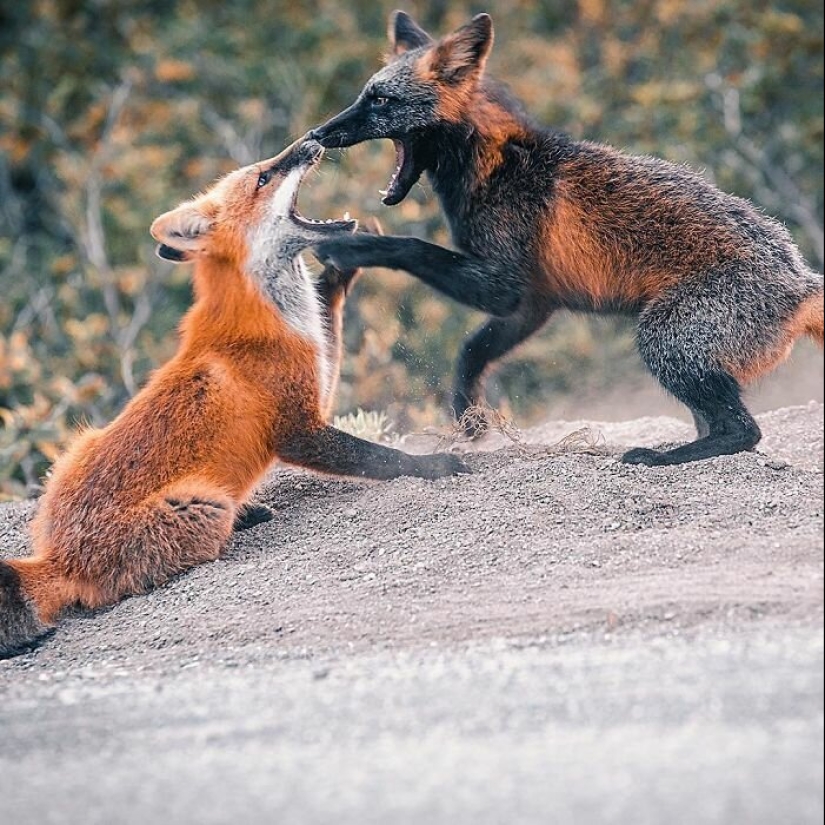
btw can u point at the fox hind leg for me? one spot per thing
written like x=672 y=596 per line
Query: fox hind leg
x=487 y=344
x=684 y=340
x=724 y=424
x=183 y=526
x=186 y=524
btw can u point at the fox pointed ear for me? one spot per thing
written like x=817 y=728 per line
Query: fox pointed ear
x=464 y=52
x=182 y=231
x=405 y=34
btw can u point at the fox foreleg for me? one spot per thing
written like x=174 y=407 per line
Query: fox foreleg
x=329 y=450
x=472 y=281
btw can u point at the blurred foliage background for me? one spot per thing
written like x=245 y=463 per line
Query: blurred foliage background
x=112 y=111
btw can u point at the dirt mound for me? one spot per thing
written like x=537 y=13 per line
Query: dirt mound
x=537 y=542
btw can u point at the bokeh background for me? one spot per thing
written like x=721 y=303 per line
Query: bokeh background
x=112 y=111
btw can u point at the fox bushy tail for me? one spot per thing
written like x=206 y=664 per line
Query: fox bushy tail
x=19 y=622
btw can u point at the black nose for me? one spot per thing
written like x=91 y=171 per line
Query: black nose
x=312 y=149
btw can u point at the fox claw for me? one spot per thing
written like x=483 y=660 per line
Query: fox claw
x=250 y=515
x=441 y=465
x=329 y=253
x=644 y=456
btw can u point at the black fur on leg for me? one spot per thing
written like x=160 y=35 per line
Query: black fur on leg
x=332 y=451
x=19 y=624
x=474 y=281
x=731 y=428
x=250 y=515
x=487 y=344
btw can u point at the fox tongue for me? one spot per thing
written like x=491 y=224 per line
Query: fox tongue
x=403 y=178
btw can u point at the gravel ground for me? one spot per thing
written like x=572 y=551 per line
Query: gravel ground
x=556 y=638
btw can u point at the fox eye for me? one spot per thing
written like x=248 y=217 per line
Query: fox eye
x=264 y=178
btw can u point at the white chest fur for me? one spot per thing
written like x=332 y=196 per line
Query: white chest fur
x=283 y=277
x=293 y=292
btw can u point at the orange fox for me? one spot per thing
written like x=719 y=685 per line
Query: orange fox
x=158 y=490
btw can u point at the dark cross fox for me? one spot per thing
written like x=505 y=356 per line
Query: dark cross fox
x=544 y=222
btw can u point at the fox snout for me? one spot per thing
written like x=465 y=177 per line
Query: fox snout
x=340 y=131
x=311 y=150
x=330 y=140
x=306 y=151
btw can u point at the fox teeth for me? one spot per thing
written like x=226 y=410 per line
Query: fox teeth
x=346 y=216
x=383 y=192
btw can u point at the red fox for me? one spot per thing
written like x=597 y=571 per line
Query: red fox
x=544 y=222
x=157 y=491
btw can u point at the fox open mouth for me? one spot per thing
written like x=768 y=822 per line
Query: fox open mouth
x=345 y=224
x=405 y=175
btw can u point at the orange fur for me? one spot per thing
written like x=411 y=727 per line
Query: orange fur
x=576 y=265
x=807 y=320
x=760 y=364
x=44 y=587
x=457 y=103
x=453 y=67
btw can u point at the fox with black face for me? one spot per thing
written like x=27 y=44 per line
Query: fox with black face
x=543 y=222
x=400 y=102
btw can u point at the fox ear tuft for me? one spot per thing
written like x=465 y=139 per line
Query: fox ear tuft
x=405 y=34
x=464 y=53
x=181 y=232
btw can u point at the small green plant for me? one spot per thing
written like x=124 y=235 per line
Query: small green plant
x=368 y=424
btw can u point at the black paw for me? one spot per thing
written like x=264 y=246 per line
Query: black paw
x=334 y=280
x=339 y=254
x=475 y=425
x=649 y=458
x=250 y=515
x=441 y=465
x=335 y=277
x=472 y=416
